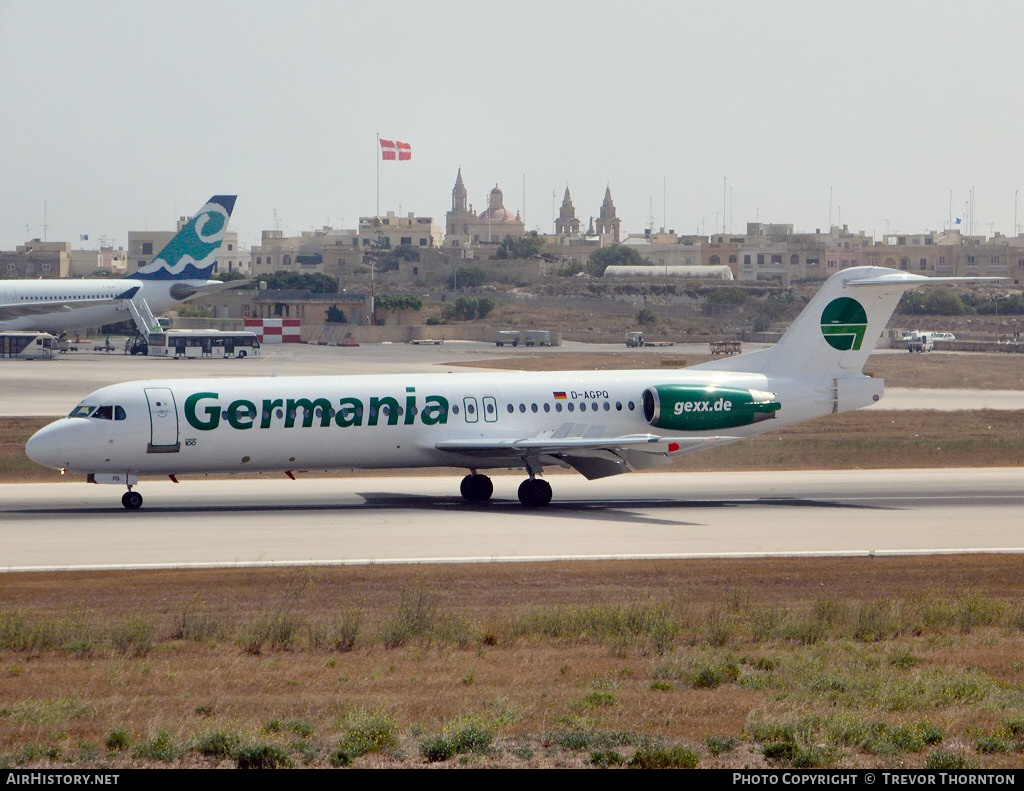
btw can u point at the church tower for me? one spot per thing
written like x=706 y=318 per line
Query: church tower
x=608 y=223
x=458 y=220
x=459 y=195
x=567 y=224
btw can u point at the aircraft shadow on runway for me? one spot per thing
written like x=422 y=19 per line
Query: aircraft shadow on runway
x=598 y=510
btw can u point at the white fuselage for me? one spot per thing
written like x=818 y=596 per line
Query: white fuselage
x=75 y=310
x=336 y=422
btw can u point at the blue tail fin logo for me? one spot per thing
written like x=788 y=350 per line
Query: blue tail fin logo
x=192 y=253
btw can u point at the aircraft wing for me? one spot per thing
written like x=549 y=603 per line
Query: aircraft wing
x=594 y=457
x=14 y=310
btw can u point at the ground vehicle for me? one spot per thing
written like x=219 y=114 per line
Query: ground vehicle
x=636 y=339
x=725 y=347
x=27 y=345
x=510 y=337
x=538 y=338
x=204 y=343
x=922 y=343
x=943 y=336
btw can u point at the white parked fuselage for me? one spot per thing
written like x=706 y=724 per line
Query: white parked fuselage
x=67 y=316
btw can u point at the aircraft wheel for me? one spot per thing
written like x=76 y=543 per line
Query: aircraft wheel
x=132 y=501
x=476 y=488
x=534 y=493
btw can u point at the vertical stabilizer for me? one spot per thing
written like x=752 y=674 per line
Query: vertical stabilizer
x=192 y=253
x=837 y=331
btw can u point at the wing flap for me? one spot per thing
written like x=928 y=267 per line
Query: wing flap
x=555 y=445
x=593 y=457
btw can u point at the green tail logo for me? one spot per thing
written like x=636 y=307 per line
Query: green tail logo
x=843 y=324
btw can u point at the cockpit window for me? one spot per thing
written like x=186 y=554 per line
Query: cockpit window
x=103 y=413
x=81 y=411
x=119 y=413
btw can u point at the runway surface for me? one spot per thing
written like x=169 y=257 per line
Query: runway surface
x=399 y=519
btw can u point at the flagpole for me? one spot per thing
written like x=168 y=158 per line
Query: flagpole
x=376 y=155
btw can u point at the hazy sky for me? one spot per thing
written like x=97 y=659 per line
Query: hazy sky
x=122 y=115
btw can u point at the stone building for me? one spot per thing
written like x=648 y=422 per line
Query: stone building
x=465 y=229
x=37 y=259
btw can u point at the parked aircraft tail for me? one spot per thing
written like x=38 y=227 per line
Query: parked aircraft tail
x=192 y=253
x=837 y=331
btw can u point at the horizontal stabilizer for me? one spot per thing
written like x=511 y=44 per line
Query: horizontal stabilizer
x=909 y=279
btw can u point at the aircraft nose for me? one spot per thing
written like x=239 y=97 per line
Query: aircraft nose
x=43 y=447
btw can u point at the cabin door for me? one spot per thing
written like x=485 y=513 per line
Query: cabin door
x=490 y=409
x=163 y=421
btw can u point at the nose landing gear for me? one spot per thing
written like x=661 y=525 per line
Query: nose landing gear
x=131 y=500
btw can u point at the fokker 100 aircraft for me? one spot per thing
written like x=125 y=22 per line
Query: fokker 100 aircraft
x=179 y=271
x=600 y=423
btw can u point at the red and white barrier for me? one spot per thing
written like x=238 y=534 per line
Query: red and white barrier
x=276 y=330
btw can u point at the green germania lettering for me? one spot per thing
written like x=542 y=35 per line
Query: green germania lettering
x=205 y=411
x=309 y=410
x=212 y=419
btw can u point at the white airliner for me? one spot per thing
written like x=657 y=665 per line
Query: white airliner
x=600 y=423
x=179 y=271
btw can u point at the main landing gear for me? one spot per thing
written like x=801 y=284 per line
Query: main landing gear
x=131 y=500
x=535 y=493
x=477 y=488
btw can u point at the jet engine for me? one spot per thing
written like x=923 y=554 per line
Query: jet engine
x=706 y=407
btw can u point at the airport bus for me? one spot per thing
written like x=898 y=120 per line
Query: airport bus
x=204 y=343
x=27 y=345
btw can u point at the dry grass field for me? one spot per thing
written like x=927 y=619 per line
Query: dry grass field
x=884 y=662
x=889 y=662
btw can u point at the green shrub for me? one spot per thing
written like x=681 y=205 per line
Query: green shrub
x=470 y=737
x=717 y=745
x=261 y=755
x=594 y=700
x=781 y=752
x=199 y=627
x=134 y=637
x=606 y=758
x=676 y=756
x=217 y=743
x=366 y=732
x=437 y=748
x=945 y=760
x=574 y=739
x=990 y=745
x=118 y=739
x=161 y=747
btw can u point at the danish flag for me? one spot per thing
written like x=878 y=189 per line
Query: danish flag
x=394 y=149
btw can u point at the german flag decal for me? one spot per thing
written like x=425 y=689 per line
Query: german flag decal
x=559 y=394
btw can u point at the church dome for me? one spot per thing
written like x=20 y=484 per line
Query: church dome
x=496 y=211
